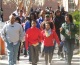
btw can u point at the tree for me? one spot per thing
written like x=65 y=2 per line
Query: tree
x=26 y=4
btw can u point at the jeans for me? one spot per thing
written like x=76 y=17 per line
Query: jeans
x=60 y=50
x=12 y=52
x=68 y=48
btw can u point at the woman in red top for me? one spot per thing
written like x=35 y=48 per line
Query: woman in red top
x=48 y=36
x=32 y=39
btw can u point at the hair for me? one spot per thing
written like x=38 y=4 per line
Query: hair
x=70 y=17
x=32 y=13
x=42 y=12
x=47 y=15
x=57 y=11
x=12 y=14
x=50 y=23
x=18 y=19
x=36 y=14
x=33 y=21
x=21 y=11
x=28 y=18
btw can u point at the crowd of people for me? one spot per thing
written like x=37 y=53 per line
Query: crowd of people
x=40 y=28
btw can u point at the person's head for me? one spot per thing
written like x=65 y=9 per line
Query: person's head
x=27 y=18
x=48 y=25
x=14 y=14
x=21 y=13
x=62 y=9
x=17 y=19
x=57 y=12
x=32 y=16
x=50 y=8
x=33 y=23
x=37 y=14
x=47 y=17
x=68 y=18
x=31 y=10
x=52 y=14
x=12 y=18
x=42 y=13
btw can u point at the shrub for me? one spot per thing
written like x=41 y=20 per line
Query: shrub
x=76 y=15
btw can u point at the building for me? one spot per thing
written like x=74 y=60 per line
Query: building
x=10 y=5
x=70 y=5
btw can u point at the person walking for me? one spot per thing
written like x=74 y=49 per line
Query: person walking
x=17 y=19
x=48 y=36
x=68 y=30
x=27 y=26
x=32 y=41
x=12 y=34
x=58 y=20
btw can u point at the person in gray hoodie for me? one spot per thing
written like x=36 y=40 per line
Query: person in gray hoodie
x=12 y=34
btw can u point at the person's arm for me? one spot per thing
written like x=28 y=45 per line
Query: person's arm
x=26 y=40
x=40 y=36
x=56 y=37
x=27 y=25
x=38 y=26
x=62 y=30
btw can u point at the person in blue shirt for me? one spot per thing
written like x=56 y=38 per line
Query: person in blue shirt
x=28 y=22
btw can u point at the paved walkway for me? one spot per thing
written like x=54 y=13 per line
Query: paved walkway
x=55 y=60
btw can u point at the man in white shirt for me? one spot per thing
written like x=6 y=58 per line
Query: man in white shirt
x=12 y=34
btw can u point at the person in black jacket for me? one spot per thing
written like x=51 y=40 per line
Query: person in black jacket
x=17 y=19
x=63 y=12
x=58 y=20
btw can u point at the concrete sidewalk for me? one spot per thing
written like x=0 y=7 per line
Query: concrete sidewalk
x=55 y=60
